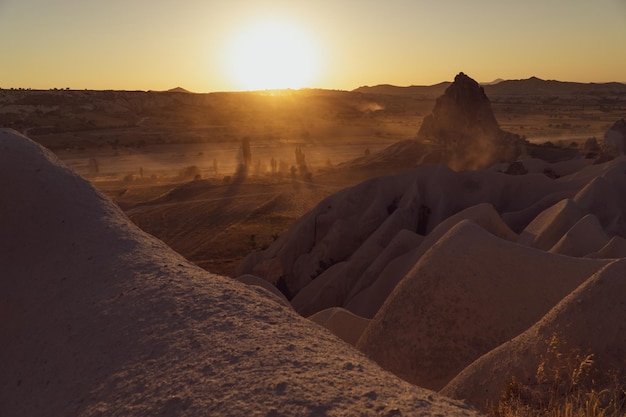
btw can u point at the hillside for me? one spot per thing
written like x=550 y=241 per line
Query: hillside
x=447 y=266
x=100 y=318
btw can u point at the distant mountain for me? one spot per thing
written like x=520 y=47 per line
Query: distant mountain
x=178 y=90
x=496 y=81
x=534 y=85
x=529 y=86
x=418 y=90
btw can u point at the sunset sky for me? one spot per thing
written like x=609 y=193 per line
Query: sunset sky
x=209 y=45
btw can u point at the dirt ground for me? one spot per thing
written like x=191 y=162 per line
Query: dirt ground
x=215 y=221
x=214 y=224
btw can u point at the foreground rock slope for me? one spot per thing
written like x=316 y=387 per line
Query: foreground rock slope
x=98 y=318
x=592 y=319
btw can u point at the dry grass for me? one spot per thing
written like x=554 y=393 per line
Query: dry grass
x=568 y=383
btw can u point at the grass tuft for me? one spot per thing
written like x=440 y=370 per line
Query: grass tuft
x=568 y=383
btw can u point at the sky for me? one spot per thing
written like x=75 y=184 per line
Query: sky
x=210 y=45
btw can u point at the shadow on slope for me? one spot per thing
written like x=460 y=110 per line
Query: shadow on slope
x=99 y=318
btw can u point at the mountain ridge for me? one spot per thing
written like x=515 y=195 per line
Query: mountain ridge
x=531 y=85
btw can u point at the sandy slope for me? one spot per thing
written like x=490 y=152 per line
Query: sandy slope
x=99 y=318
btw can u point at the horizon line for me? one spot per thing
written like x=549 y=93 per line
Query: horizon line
x=269 y=90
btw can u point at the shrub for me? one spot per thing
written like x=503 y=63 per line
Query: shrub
x=567 y=383
x=189 y=173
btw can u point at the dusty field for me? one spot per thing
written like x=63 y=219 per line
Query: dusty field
x=242 y=213
x=144 y=150
x=216 y=225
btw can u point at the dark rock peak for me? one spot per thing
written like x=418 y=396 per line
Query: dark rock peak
x=177 y=90
x=462 y=113
x=619 y=126
x=464 y=126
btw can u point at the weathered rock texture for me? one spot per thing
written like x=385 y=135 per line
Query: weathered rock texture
x=591 y=320
x=98 y=318
x=450 y=265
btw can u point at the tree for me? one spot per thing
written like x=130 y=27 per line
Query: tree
x=274 y=165
x=246 y=153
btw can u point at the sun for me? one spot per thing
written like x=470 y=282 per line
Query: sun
x=273 y=55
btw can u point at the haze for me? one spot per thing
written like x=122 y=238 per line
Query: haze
x=187 y=230
x=158 y=45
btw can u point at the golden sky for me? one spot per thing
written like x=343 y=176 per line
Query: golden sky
x=210 y=45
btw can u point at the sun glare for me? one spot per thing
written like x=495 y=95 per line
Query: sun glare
x=273 y=55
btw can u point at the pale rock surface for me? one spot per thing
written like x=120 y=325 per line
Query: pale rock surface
x=99 y=318
x=605 y=181
x=606 y=201
x=616 y=248
x=338 y=285
x=550 y=225
x=565 y=168
x=329 y=234
x=368 y=297
x=342 y=323
x=596 y=170
x=498 y=288
x=539 y=166
x=592 y=318
x=585 y=237
x=324 y=292
x=257 y=282
x=615 y=138
x=518 y=220
x=356 y=224
x=332 y=287
x=383 y=270
x=367 y=302
x=468 y=294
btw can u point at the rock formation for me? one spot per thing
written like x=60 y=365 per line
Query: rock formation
x=461 y=132
x=615 y=139
x=591 y=320
x=464 y=124
x=467 y=295
x=329 y=250
x=342 y=323
x=461 y=115
x=99 y=318
x=450 y=265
